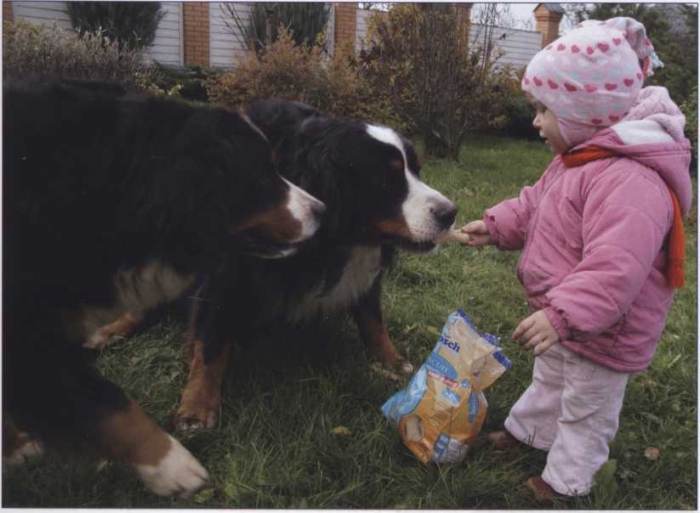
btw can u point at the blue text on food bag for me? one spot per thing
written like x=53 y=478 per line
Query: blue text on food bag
x=441 y=366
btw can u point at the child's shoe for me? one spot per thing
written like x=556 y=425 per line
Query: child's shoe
x=543 y=492
x=503 y=440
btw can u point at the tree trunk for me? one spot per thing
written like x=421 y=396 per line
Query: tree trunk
x=435 y=146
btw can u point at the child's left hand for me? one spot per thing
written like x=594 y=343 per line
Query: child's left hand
x=536 y=332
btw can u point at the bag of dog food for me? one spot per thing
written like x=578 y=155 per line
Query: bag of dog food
x=441 y=411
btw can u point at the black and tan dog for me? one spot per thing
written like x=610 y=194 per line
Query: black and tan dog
x=114 y=203
x=368 y=177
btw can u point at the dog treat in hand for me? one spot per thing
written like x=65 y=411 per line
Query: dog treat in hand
x=441 y=411
x=454 y=236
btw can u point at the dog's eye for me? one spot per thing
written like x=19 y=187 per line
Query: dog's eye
x=396 y=165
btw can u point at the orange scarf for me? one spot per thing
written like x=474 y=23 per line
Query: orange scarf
x=675 y=272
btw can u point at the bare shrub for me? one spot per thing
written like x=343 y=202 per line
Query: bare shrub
x=36 y=51
x=289 y=71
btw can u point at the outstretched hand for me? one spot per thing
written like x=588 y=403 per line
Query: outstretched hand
x=478 y=233
x=536 y=332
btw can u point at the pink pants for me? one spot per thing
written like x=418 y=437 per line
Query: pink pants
x=571 y=409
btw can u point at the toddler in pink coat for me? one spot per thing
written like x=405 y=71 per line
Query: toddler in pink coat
x=601 y=239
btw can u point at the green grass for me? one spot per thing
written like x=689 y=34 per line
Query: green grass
x=273 y=447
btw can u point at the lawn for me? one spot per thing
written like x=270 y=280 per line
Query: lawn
x=274 y=446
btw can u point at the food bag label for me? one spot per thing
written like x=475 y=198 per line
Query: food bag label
x=441 y=411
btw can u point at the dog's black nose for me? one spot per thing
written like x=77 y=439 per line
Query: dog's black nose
x=445 y=214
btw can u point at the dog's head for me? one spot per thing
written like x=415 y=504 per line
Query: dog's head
x=368 y=176
x=269 y=216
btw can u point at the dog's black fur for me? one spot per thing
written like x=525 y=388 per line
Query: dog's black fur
x=363 y=183
x=98 y=185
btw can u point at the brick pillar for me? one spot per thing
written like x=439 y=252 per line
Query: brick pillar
x=7 y=14
x=195 y=22
x=345 y=23
x=464 y=14
x=547 y=24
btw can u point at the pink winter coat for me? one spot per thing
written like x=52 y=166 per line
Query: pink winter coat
x=594 y=236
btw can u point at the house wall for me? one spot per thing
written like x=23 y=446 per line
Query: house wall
x=227 y=45
x=520 y=46
x=166 y=48
x=195 y=32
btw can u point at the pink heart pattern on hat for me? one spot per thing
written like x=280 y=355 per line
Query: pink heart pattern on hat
x=586 y=87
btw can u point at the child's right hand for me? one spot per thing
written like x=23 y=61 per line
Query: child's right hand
x=478 y=233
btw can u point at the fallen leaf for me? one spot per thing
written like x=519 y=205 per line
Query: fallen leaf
x=101 y=465
x=341 y=430
x=204 y=495
x=433 y=331
x=652 y=453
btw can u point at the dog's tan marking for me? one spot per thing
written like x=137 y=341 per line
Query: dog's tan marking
x=395 y=227
x=378 y=344
x=137 y=290
x=122 y=327
x=131 y=436
x=163 y=464
x=278 y=222
x=201 y=398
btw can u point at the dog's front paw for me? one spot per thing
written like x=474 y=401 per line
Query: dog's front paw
x=26 y=449
x=195 y=418
x=98 y=340
x=178 y=473
x=405 y=368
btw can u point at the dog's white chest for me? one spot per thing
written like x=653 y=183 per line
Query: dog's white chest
x=137 y=291
x=357 y=278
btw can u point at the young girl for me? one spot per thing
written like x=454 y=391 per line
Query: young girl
x=602 y=239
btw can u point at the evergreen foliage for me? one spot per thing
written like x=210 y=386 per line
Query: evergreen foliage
x=132 y=24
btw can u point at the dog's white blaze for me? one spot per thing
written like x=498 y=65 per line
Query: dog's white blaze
x=300 y=203
x=137 y=290
x=418 y=206
x=252 y=125
x=388 y=136
x=358 y=276
x=177 y=473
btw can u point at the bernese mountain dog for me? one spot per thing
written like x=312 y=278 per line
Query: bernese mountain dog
x=115 y=202
x=369 y=178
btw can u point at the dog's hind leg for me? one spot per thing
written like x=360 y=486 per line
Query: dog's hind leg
x=61 y=399
x=373 y=332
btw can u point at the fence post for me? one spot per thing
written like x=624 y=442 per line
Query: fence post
x=195 y=18
x=7 y=14
x=548 y=17
x=345 y=23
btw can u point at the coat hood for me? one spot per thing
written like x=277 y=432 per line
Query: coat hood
x=652 y=134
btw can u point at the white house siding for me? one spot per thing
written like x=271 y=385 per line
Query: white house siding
x=330 y=31
x=519 y=45
x=361 y=27
x=45 y=13
x=167 y=47
x=225 y=47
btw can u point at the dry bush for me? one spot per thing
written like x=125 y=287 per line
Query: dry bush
x=298 y=72
x=421 y=58
x=36 y=51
